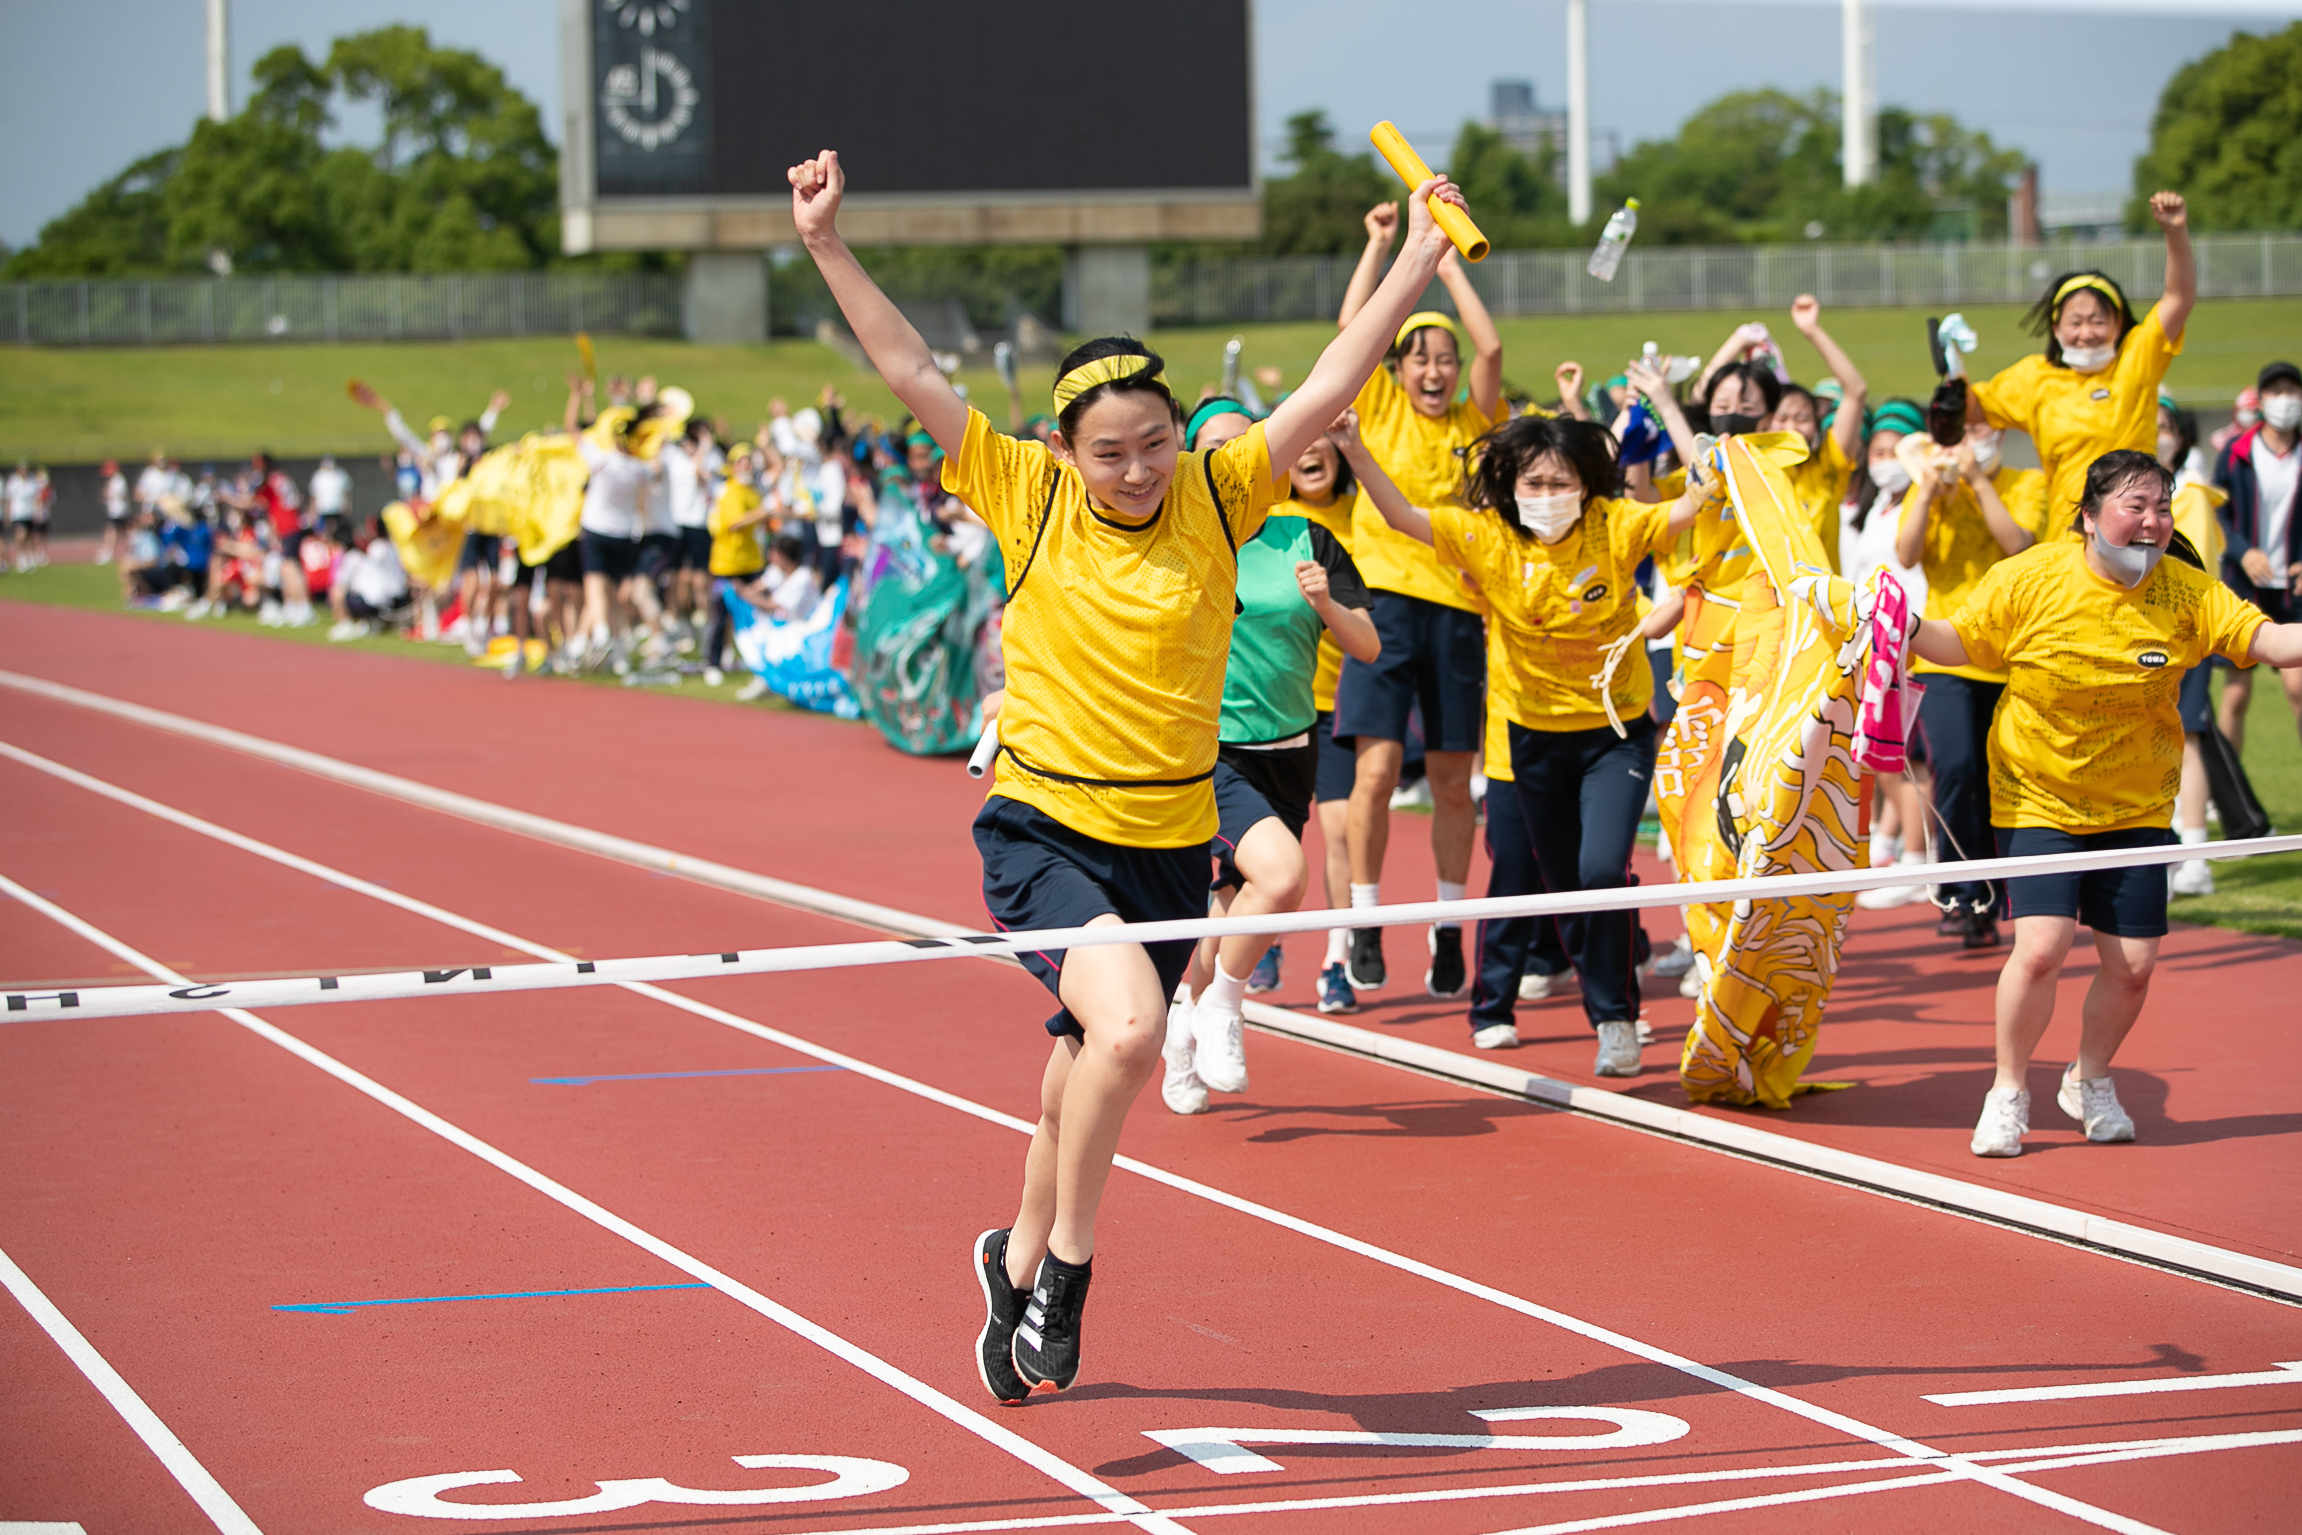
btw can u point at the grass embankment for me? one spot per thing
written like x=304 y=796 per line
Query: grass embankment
x=2257 y=895
x=79 y=404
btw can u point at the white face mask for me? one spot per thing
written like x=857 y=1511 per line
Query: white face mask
x=1987 y=450
x=2089 y=359
x=1550 y=518
x=2283 y=411
x=1890 y=477
x=2131 y=565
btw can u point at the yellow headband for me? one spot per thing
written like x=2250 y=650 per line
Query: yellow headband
x=1428 y=317
x=1103 y=370
x=2085 y=280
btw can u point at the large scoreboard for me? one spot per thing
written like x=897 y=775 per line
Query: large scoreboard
x=959 y=121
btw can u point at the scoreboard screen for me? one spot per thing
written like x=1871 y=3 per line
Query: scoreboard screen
x=956 y=119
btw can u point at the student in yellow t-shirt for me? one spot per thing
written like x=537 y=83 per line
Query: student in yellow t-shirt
x=1555 y=556
x=1122 y=574
x=2198 y=504
x=1417 y=419
x=2095 y=387
x=1956 y=522
x=2085 y=756
x=736 y=522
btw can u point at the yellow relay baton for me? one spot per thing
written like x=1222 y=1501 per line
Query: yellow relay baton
x=1392 y=145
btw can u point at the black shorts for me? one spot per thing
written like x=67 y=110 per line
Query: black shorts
x=1338 y=763
x=2196 y=701
x=1433 y=655
x=695 y=548
x=481 y=552
x=1252 y=786
x=1039 y=873
x=658 y=555
x=615 y=558
x=292 y=544
x=2128 y=902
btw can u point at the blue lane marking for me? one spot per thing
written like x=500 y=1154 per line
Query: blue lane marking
x=347 y=1307
x=659 y=1076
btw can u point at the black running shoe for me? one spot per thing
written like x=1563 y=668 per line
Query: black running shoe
x=1366 y=965
x=1446 y=978
x=1981 y=931
x=1047 y=1338
x=1002 y=1309
x=1952 y=922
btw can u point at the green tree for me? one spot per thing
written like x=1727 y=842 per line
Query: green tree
x=1516 y=198
x=1320 y=205
x=2228 y=136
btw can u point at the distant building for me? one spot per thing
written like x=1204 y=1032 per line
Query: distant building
x=1525 y=126
x=2082 y=215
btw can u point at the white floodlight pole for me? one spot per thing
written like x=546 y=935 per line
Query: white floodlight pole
x=219 y=64
x=1578 y=111
x=1858 y=105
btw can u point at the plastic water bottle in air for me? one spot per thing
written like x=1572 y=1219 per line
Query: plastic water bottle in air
x=1621 y=225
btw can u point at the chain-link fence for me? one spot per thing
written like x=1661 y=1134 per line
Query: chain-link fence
x=362 y=307
x=1735 y=277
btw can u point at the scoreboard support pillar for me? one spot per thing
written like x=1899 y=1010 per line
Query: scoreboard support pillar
x=724 y=299
x=1107 y=290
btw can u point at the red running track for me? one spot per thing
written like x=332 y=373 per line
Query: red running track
x=174 y=1182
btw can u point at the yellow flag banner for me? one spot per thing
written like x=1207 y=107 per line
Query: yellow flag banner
x=1755 y=777
x=429 y=543
x=530 y=491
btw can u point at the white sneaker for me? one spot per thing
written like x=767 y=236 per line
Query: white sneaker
x=2191 y=877
x=1533 y=987
x=269 y=614
x=517 y=661
x=1181 y=1090
x=753 y=690
x=1496 y=1036
x=713 y=676
x=1691 y=983
x=1219 y=1050
x=1618 y=1051
x=2005 y=1118
x=2094 y=1104
x=344 y=629
x=1676 y=960
x=1415 y=796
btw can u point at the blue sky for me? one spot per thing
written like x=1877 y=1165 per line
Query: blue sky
x=88 y=87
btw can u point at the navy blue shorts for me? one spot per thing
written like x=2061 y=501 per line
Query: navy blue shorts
x=2127 y=903
x=658 y=555
x=605 y=555
x=1433 y=655
x=1338 y=763
x=1039 y=873
x=695 y=548
x=1252 y=786
x=481 y=551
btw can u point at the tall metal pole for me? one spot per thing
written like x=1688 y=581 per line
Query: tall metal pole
x=1579 y=111
x=1858 y=104
x=219 y=60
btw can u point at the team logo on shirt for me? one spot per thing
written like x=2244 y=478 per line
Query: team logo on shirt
x=2153 y=659
x=1596 y=592
x=2099 y=394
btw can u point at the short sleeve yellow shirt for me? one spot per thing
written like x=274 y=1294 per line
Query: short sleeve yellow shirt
x=1423 y=456
x=2074 y=417
x=2088 y=737
x=1820 y=483
x=1116 y=632
x=1558 y=606
x=735 y=551
x=1959 y=549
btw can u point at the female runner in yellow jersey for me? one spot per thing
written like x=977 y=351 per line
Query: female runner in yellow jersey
x=1554 y=554
x=1122 y=574
x=2095 y=387
x=2085 y=755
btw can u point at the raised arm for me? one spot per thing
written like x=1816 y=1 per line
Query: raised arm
x=2012 y=536
x=1336 y=378
x=494 y=413
x=1853 y=388
x=1746 y=335
x=1486 y=341
x=1569 y=376
x=1353 y=629
x=1911 y=517
x=1382 y=223
x=1648 y=380
x=1402 y=515
x=2181 y=295
x=1701 y=492
x=571 y=419
x=888 y=339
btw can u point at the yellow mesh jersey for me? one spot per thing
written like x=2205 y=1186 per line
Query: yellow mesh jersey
x=1116 y=632
x=1959 y=548
x=736 y=551
x=1336 y=518
x=2074 y=417
x=2087 y=737
x=1820 y=481
x=1423 y=457
x=1558 y=606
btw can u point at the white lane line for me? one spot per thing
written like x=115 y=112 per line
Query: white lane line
x=2182 y=1255
x=1041 y=1460
x=1852 y=1427
x=2286 y=1374
x=182 y=1464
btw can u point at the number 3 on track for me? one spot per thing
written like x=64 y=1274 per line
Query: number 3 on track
x=851 y=1477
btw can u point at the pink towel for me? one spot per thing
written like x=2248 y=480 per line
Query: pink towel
x=1890 y=694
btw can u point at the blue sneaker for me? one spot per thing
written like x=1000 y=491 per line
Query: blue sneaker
x=1265 y=976
x=1335 y=993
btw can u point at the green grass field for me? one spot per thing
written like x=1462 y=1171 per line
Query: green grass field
x=79 y=404
x=2257 y=895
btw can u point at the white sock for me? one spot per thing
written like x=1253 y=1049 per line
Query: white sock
x=2193 y=836
x=1450 y=891
x=1226 y=994
x=1366 y=895
x=1338 y=946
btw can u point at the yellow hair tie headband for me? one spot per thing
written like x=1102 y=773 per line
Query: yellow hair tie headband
x=1426 y=317
x=1103 y=370
x=2086 y=280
